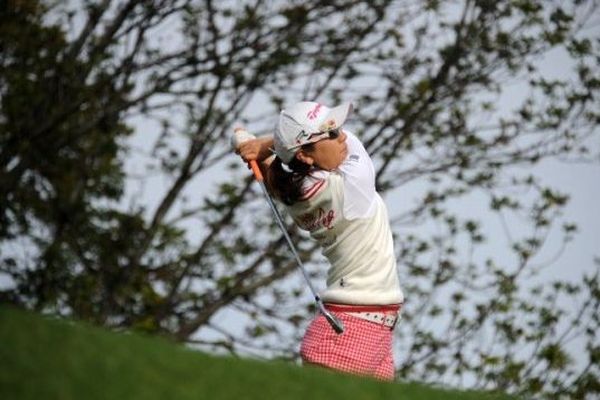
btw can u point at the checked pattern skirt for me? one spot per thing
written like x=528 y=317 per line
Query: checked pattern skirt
x=365 y=348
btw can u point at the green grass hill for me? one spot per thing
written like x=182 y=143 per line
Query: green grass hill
x=47 y=358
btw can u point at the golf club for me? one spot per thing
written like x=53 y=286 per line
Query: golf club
x=241 y=136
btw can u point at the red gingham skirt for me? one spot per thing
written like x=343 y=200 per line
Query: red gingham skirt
x=365 y=348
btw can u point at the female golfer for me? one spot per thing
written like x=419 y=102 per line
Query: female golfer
x=326 y=179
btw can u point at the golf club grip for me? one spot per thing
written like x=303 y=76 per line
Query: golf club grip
x=257 y=173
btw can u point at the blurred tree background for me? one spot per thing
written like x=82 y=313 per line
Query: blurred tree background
x=184 y=246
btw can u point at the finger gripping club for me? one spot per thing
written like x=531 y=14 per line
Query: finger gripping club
x=240 y=136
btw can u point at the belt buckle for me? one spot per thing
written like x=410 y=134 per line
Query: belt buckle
x=398 y=316
x=396 y=319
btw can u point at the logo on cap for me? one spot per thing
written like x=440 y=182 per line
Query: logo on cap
x=328 y=125
x=312 y=114
x=299 y=136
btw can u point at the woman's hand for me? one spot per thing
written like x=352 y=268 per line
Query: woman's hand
x=249 y=150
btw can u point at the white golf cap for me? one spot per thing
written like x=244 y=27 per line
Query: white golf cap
x=298 y=124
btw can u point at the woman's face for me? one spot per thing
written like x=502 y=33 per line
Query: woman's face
x=327 y=154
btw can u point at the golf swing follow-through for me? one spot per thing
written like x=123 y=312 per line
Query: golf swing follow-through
x=240 y=136
x=326 y=181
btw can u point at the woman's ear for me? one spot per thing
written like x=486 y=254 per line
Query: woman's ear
x=304 y=157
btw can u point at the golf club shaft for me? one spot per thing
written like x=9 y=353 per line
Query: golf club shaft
x=336 y=324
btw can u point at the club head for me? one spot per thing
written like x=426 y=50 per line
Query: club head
x=335 y=323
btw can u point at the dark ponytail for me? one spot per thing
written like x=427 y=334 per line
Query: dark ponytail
x=285 y=185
